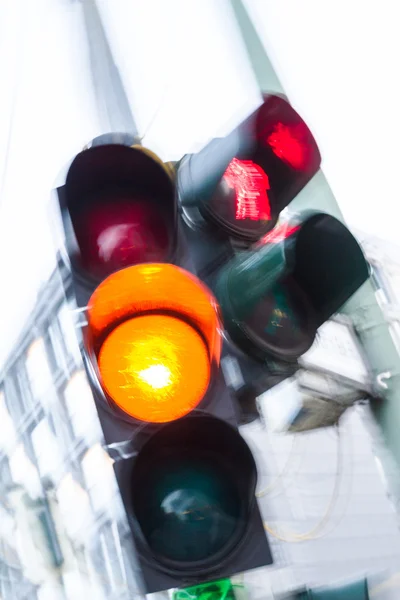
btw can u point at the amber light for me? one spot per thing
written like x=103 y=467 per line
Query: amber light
x=156 y=368
x=155 y=330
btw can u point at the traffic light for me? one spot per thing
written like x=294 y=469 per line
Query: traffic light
x=242 y=182
x=274 y=298
x=152 y=349
x=276 y=282
x=180 y=270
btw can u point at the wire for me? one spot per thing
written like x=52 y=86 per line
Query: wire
x=310 y=535
x=280 y=475
x=349 y=489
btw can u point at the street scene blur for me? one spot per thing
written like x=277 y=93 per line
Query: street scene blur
x=199 y=330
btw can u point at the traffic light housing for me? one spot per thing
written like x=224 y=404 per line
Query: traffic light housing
x=284 y=269
x=152 y=349
x=180 y=269
x=274 y=297
x=242 y=182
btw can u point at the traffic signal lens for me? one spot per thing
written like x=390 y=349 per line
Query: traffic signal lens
x=119 y=231
x=192 y=510
x=251 y=185
x=290 y=144
x=283 y=321
x=159 y=288
x=156 y=368
x=193 y=484
x=120 y=205
x=280 y=129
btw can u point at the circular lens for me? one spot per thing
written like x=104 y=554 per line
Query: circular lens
x=192 y=509
x=192 y=486
x=156 y=368
x=283 y=321
x=117 y=232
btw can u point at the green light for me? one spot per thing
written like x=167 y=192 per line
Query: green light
x=217 y=590
x=191 y=510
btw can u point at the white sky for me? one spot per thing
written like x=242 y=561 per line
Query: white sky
x=338 y=63
x=183 y=63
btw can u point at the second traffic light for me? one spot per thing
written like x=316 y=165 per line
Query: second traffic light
x=275 y=284
x=242 y=182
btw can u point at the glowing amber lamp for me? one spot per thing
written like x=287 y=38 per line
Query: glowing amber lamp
x=155 y=366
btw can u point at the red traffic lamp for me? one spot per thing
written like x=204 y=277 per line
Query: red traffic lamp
x=242 y=182
x=118 y=208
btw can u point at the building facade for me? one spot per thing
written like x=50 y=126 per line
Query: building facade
x=63 y=529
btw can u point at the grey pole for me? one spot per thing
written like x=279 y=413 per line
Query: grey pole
x=363 y=309
x=112 y=101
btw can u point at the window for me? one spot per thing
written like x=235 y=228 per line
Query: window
x=24 y=472
x=23 y=387
x=46 y=449
x=79 y=585
x=37 y=365
x=74 y=507
x=7 y=527
x=15 y=400
x=99 y=477
x=59 y=355
x=95 y=570
x=110 y=545
x=7 y=431
x=68 y=331
x=81 y=408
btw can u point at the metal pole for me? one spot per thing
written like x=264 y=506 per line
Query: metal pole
x=113 y=105
x=363 y=309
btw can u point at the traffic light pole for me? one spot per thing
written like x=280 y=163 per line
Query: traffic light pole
x=113 y=105
x=363 y=309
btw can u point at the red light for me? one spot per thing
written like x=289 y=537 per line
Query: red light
x=290 y=144
x=250 y=184
x=278 y=234
x=119 y=232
